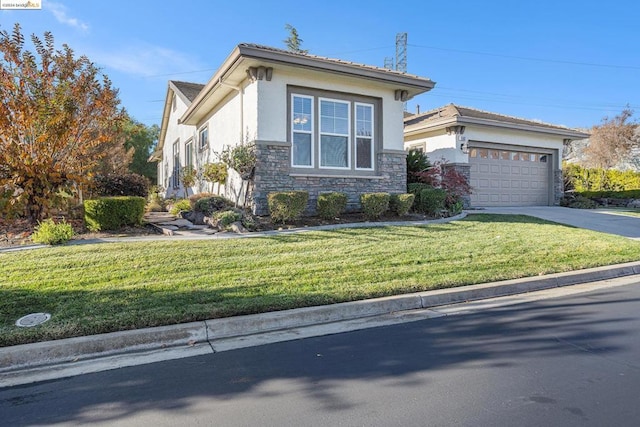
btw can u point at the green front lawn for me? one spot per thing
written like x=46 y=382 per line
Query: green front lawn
x=108 y=287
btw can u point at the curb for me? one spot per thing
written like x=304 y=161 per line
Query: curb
x=216 y=333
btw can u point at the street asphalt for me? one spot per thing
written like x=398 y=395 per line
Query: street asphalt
x=68 y=357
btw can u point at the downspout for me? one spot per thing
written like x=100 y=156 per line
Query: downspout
x=240 y=91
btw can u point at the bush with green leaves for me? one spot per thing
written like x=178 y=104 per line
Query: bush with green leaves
x=112 y=213
x=180 y=205
x=578 y=202
x=212 y=204
x=128 y=184
x=50 y=233
x=626 y=194
x=374 y=204
x=225 y=218
x=431 y=201
x=417 y=161
x=400 y=204
x=330 y=205
x=287 y=205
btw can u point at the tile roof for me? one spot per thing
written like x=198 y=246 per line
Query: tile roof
x=331 y=60
x=455 y=111
x=190 y=90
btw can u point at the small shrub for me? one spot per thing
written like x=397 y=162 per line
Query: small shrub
x=50 y=233
x=417 y=162
x=578 y=202
x=432 y=201
x=194 y=198
x=130 y=184
x=180 y=206
x=209 y=205
x=287 y=205
x=374 y=204
x=625 y=194
x=225 y=218
x=330 y=205
x=400 y=204
x=154 y=206
x=111 y=213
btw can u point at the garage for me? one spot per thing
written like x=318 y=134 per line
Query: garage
x=508 y=161
x=502 y=177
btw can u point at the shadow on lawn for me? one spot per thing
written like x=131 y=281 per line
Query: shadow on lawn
x=320 y=369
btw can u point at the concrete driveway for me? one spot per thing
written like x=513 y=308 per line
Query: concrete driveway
x=604 y=221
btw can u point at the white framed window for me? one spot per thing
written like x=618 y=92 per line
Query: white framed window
x=335 y=134
x=175 y=179
x=302 y=128
x=364 y=136
x=188 y=153
x=203 y=137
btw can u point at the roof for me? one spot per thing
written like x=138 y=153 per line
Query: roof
x=455 y=114
x=233 y=71
x=189 y=90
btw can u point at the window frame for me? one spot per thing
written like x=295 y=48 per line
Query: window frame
x=176 y=165
x=202 y=146
x=348 y=135
x=188 y=153
x=311 y=132
x=351 y=99
x=372 y=137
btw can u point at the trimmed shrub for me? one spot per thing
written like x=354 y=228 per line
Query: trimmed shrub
x=628 y=194
x=330 y=205
x=578 y=202
x=129 y=184
x=432 y=201
x=226 y=218
x=154 y=207
x=180 y=205
x=50 y=233
x=401 y=203
x=209 y=205
x=111 y=213
x=287 y=205
x=194 y=198
x=374 y=204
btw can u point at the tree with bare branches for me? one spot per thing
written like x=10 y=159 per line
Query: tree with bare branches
x=59 y=118
x=612 y=141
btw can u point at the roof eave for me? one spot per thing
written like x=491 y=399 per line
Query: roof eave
x=157 y=154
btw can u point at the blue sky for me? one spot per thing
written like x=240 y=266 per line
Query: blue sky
x=562 y=62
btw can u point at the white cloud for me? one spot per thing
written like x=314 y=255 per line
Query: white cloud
x=59 y=11
x=146 y=60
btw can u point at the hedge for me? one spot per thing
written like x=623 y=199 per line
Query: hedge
x=111 y=213
x=128 y=184
x=374 y=204
x=431 y=201
x=401 y=203
x=330 y=205
x=287 y=205
x=628 y=194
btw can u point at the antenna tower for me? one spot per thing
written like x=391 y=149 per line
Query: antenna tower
x=401 y=52
x=388 y=63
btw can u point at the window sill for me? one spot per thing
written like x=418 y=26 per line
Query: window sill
x=319 y=175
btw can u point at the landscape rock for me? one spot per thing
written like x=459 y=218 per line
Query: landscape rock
x=635 y=203
x=237 y=227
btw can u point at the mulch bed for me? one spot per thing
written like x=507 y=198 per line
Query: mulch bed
x=18 y=231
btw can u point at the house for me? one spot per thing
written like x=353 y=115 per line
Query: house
x=508 y=161
x=318 y=125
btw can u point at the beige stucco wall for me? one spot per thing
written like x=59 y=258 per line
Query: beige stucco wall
x=180 y=133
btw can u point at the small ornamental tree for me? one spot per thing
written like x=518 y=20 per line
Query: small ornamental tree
x=241 y=158
x=188 y=178
x=417 y=162
x=59 y=117
x=216 y=173
x=445 y=177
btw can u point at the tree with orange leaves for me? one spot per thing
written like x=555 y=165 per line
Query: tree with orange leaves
x=59 y=118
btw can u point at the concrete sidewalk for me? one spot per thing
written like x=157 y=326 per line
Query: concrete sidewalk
x=597 y=220
x=29 y=363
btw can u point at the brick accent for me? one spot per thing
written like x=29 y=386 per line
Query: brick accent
x=273 y=173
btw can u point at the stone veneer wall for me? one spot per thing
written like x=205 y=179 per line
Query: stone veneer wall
x=558 y=186
x=273 y=173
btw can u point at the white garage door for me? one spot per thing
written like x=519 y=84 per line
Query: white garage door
x=509 y=178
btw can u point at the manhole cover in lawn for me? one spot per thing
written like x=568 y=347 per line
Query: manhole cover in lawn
x=33 y=319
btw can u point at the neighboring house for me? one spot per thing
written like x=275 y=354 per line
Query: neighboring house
x=507 y=160
x=318 y=125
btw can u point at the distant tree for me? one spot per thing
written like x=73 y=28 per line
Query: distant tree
x=141 y=139
x=294 y=42
x=612 y=141
x=58 y=118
